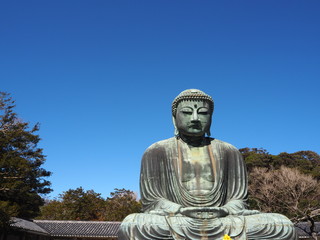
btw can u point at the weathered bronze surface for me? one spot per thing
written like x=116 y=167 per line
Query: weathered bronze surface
x=195 y=187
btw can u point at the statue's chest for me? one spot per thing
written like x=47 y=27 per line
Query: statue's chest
x=196 y=169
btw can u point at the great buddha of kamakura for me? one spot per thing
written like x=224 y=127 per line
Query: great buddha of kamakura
x=195 y=187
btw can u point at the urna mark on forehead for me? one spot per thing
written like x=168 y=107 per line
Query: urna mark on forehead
x=192 y=95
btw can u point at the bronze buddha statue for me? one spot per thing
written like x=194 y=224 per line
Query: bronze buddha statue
x=195 y=187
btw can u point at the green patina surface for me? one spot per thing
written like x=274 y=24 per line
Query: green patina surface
x=195 y=187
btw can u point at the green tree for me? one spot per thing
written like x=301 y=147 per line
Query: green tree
x=74 y=204
x=121 y=203
x=307 y=162
x=88 y=205
x=22 y=180
x=52 y=210
x=259 y=157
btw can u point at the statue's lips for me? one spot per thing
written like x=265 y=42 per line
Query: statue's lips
x=195 y=126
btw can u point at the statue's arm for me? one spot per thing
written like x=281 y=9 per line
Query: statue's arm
x=153 y=182
x=237 y=184
x=164 y=207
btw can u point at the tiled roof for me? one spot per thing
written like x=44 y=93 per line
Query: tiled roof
x=27 y=226
x=303 y=228
x=79 y=228
x=97 y=229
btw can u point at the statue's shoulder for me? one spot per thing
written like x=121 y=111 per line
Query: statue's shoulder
x=225 y=145
x=162 y=145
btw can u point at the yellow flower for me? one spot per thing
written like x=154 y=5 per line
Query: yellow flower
x=227 y=237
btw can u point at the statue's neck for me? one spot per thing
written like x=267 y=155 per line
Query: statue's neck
x=193 y=140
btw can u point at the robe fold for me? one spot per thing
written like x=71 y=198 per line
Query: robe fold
x=163 y=194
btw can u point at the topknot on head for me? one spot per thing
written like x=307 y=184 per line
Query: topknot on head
x=191 y=94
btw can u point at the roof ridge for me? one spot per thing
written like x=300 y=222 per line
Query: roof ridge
x=73 y=221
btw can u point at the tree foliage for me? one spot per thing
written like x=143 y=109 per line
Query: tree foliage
x=121 y=203
x=90 y=206
x=307 y=162
x=76 y=204
x=22 y=179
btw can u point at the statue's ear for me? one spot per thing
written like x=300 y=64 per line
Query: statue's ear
x=208 y=130
x=208 y=133
x=176 y=131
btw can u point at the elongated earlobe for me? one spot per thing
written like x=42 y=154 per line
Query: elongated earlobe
x=176 y=131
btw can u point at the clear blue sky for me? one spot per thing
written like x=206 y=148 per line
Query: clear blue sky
x=100 y=77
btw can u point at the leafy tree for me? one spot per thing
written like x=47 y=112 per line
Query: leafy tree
x=52 y=210
x=121 y=203
x=82 y=205
x=259 y=157
x=306 y=161
x=22 y=180
x=90 y=206
x=74 y=205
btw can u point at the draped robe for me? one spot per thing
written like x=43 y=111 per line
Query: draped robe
x=163 y=194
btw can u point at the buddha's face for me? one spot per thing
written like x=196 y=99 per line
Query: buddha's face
x=193 y=118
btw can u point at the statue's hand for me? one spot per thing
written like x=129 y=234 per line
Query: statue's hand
x=158 y=212
x=169 y=211
x=247 y=212
x=204 y=212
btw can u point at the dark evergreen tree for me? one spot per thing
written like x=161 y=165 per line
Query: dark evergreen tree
x=307 y=162
x=22 y=180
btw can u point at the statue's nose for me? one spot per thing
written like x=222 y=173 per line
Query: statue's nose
x=195 y=116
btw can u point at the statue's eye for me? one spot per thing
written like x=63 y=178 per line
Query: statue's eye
x=203 y=111
x=186 y=112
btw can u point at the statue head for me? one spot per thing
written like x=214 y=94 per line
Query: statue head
x=192 y=111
